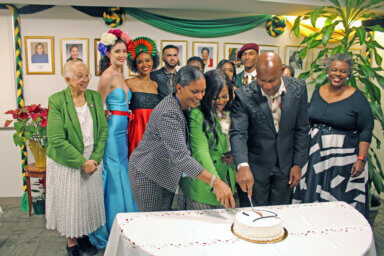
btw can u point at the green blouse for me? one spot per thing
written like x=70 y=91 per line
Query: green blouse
x=205 y=151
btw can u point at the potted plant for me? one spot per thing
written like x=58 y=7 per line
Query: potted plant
x=30 y=123
x=346 y=14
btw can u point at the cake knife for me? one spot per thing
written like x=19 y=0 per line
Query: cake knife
x=250 y=200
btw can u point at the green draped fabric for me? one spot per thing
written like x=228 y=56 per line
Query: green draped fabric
x=198 y=28
x=187 y=27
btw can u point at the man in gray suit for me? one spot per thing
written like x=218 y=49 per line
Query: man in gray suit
x=269 y=134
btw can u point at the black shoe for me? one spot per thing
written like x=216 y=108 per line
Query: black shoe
x=73 y=250
x=85 y=246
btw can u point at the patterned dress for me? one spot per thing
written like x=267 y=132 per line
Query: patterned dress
x=74 y=204
x=336 y=130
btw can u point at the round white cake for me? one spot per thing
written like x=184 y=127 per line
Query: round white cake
x=259 y=225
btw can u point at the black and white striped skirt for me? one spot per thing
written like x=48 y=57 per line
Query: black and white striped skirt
x=327 y=174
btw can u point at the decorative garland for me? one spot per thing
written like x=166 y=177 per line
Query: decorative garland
x=275 y=26
x=114 y=17
x=20 y=100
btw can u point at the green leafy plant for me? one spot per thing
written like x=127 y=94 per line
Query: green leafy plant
x=365 y=76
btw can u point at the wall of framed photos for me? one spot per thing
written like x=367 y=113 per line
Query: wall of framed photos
x=68 y=26
x=58 y=28
x=61 y=27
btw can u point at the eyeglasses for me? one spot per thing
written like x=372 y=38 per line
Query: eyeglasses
x=84 y=77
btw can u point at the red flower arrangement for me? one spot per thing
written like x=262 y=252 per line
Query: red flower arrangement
x=32 y=121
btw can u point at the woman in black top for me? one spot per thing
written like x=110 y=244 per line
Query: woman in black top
x=341 y=131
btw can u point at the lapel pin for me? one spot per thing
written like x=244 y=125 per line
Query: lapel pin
x=91 y=105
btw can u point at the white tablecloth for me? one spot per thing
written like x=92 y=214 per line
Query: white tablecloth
x=328 y=229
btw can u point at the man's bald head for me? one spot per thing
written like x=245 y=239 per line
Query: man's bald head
x=267 y=61
x=269 y=71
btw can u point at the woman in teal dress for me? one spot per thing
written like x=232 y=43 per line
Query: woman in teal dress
x=116 y=95
x=209 y=127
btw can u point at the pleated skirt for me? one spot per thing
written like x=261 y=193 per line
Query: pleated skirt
x=74 y=199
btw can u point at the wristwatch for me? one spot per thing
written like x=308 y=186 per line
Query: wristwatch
x=362 y=158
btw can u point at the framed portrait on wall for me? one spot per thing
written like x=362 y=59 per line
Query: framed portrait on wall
x=39 y=55
x=182 y=45
x=293 y=58
x=269 y=48
x=74 y=49
x=230 y=53
x=322 y=61
x=97 y=56
x=208 y=51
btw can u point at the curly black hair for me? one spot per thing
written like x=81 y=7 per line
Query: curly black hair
x=133 y=65
x=196 y=58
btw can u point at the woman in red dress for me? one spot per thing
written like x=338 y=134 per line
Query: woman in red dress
x=142 y=59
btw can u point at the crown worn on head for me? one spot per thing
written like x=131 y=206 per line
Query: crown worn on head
x=139 y=45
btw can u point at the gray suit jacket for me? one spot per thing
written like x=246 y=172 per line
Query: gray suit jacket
x=253 y=136
x=163 y=155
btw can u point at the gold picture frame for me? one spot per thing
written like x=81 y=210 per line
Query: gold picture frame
x=183 y=50
x=39 y=55
x=213 y=53
x=97 y=56
x=66 y=46
x=292 y=58
x=269 y=48
x=230 y=53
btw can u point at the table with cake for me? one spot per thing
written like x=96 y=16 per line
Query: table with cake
x=333 y=228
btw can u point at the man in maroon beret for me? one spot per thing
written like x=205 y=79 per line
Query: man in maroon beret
x=248 y=55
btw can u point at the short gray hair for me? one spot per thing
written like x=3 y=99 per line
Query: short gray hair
x=345 y=57
x=187 y=75
x=70 y=67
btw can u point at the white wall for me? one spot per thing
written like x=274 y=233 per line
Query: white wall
x=10 y=172
x=378 y=131
x=7 y=73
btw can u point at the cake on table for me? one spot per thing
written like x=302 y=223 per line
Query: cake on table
x=258 y=225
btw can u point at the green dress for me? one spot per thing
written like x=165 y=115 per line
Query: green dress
x=205 y=151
